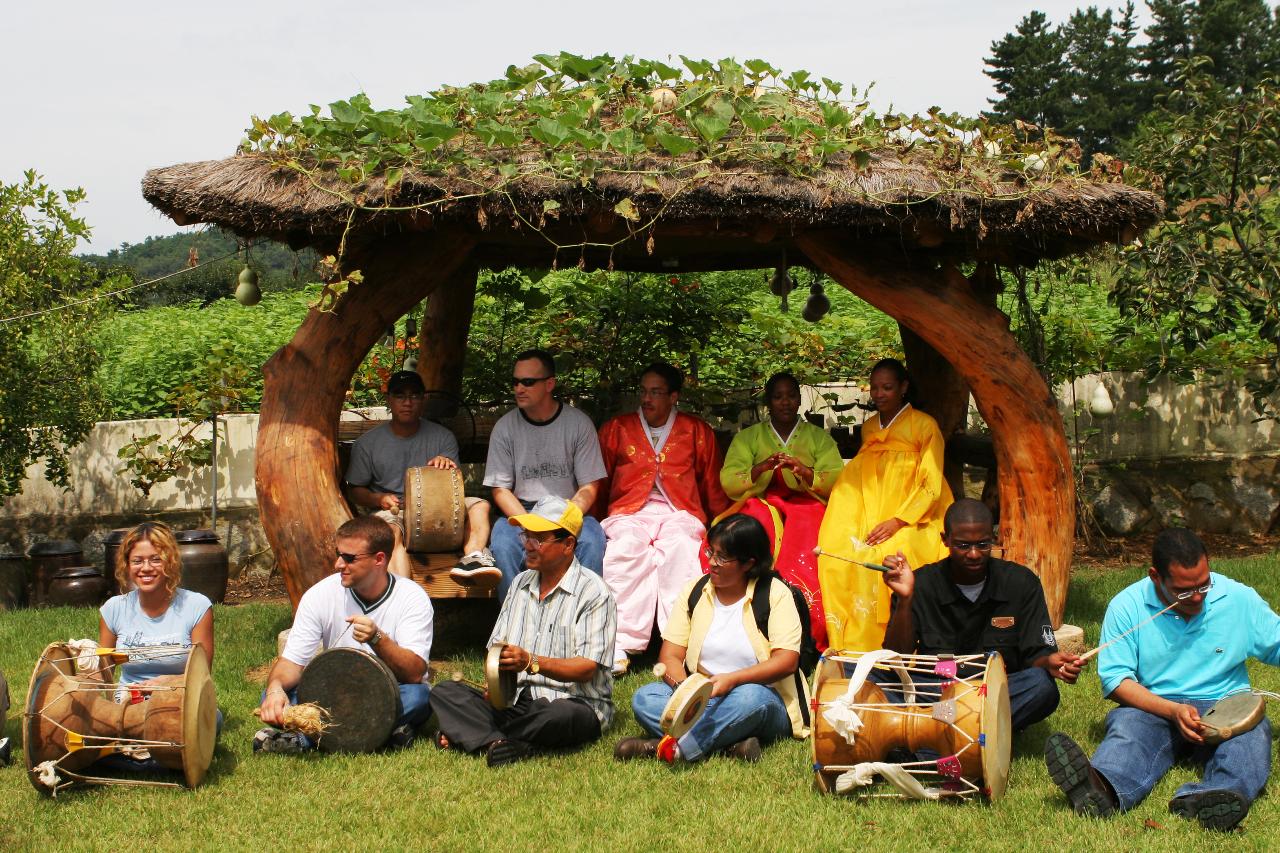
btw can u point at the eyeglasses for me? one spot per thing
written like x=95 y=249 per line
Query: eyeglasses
x=717 y=559
x=654 y=392
x=540 y=540
x=1183 y=596
x=405 y=398
x=528 y=381
x=154 y=562
x=982 y=546
x=349 y=558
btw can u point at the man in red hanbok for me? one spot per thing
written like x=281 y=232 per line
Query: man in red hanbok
x=663 y=485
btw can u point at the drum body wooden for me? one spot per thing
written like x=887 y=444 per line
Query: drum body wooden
x=965 y=719
x=685 y=707
x=435 y=509
x=500 y=684
x=1232 y=715
x=73 y=720
x=361 y=695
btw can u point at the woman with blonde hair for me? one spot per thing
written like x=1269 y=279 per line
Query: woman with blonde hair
x=154 y=610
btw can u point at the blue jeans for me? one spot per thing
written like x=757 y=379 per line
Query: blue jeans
x=1139 y=748
x=1033 y=693
x=508 y=553
x=415 y=707
x=748 y=710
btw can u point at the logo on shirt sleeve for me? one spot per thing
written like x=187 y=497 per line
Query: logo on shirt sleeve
x=1046 y=634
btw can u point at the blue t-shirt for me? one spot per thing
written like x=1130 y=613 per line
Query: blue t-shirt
x=1181 y=659
x=125 y=618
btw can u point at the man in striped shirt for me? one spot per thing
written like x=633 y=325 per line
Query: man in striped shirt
x=557 y=627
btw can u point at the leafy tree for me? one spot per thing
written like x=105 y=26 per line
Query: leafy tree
x=1241 y=37
x=49 y=397
x=1168 y=44
x=1029 y=68
x=1213 y=266
x=1106 y=95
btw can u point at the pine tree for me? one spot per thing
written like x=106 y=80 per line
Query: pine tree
x=1027 y=66
x=1106 y=94
x=1168 y=43
x=1242 y=37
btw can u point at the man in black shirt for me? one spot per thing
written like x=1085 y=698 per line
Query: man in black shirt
x=971 y=603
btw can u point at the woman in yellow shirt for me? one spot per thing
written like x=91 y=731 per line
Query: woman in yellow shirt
x=889 y=499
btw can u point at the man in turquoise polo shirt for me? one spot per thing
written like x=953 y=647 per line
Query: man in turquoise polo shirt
x=1165 y=675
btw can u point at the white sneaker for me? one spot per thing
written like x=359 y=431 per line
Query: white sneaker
x=477 y=568
x=621 y=665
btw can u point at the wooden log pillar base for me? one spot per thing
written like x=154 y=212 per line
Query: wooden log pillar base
x=442 y=348
x=1070 y=639
x=1037 y=490
x=304 y=388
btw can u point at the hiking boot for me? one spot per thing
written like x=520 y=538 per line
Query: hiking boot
x=1220 y=810
x=1071 y=771
x=402 y=737
x=477 y=569
x=502 y=752
x=636 y=747
x=283 y=743
x=745 y=750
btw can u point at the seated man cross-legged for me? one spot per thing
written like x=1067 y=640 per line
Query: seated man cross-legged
x=556 y=627
x=380 y=458
x=360 y=606
x=1179 y=639
x=973 y=603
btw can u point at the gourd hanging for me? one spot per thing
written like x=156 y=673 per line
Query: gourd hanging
x=247 y=290
x=817 y=305
x=1100 y=405
x=781 y=285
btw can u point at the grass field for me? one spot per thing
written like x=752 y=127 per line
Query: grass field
x=422 y=798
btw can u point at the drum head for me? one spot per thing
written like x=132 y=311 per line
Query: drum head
x=359 y=692
x=199 y=718
x=686 y=705
x=435 y=509
x=996 y=730
x=501 y=684
x=1232 y=715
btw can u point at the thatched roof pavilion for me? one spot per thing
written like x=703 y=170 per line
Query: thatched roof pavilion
x=894 y=223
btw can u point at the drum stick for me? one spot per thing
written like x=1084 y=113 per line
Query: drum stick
x=1084 y=657
x=875 y=567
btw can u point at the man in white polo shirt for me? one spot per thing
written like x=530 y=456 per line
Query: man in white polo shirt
x=360 y=606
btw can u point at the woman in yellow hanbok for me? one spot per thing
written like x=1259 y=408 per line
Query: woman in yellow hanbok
x=890 y=498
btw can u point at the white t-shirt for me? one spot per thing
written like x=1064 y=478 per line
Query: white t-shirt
x=403 y=613
x=727 y=647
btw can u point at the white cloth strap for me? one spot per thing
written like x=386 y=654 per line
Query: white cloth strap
x=895 y=774
x=839 y=712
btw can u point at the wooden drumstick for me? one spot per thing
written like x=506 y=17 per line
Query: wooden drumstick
x=875 y=567
x=457 y=676
x=1084 y=657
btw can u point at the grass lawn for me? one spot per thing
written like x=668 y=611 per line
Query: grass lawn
x=422 y=798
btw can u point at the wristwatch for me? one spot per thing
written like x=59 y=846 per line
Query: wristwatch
x=376 y=638
x=534 y=666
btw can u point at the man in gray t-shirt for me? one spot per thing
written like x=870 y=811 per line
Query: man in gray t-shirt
x=381 y=456
x=542 y=448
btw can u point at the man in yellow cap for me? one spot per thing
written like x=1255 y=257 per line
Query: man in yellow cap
x=556 y=629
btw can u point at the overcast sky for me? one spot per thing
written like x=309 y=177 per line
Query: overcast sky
x=97 y=93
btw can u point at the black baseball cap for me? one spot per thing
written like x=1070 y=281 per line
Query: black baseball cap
x=405 y=380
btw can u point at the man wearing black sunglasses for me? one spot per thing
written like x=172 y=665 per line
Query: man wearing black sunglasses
x=1173 y=644
x=973 y=603
x=542 y=448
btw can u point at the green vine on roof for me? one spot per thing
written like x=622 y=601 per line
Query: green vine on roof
x=572 y=118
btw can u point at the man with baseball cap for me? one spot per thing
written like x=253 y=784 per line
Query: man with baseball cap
x=556 y=628
x=381 y=456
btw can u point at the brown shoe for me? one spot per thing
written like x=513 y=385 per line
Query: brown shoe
x=636 y=747
x=745 y=750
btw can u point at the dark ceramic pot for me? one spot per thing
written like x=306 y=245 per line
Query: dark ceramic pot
x=13 y=581
x=111 y=547
x=46 y=559
x=77 y=586
x=204 y=563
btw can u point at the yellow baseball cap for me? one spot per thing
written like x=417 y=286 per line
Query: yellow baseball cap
x=550 y=514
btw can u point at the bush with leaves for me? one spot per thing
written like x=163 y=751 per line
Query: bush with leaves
x=49 y=396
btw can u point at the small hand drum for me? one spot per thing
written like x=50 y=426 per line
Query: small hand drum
x=500 y=684
x=1232 y=715
x=361 y=695
x=686 y=705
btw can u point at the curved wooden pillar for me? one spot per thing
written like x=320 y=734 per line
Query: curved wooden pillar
x=942 y=392
x=442 y=350
x=305 y=385
x=1037 y=490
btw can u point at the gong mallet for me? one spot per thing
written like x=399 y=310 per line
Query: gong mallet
x=875 y=567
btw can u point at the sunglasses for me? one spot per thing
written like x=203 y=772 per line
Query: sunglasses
x=528 y=381
x=349 y=558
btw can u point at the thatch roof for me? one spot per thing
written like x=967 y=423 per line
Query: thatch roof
x=730 y=216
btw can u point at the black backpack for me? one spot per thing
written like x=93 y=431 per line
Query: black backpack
x=760 y=609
